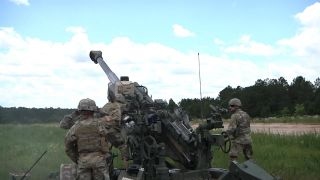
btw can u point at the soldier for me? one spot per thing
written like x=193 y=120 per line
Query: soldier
x=86 y=143
x=239 y=130
x=70 y=119
x=115 y=133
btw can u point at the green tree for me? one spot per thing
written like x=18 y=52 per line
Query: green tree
x=228 y=93
x=317 y=83
x=301 y=92
x=299 y=110
x=172 y=105
x=285 y=111
x=315 y=104
x=277 y=95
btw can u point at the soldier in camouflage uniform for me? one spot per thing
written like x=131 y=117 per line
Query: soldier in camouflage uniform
x=114 y=109
x=70 y=119
x=239 y=130
x=86 y=143
x=115 y=132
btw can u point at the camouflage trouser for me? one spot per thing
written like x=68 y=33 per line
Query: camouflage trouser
x=117 y=140
x=92 y=166
x=236 y=148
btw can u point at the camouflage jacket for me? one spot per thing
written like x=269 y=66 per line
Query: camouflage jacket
x=87 y=136
x=239 y=127
x=114 y=110
x=70 y=119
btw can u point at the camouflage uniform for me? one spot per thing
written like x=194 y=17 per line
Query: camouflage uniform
x=239 y=130
x=69 y=120
x=115 y=135
x=86 y=145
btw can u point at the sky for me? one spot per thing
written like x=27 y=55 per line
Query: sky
x=169 y=46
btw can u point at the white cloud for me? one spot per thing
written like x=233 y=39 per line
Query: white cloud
x=218 y=42
x=10 y=38
x=310 y=16
x=21 y=2
x=306 y=42
x=247 y=46
x=40 y=73
x=180 y=31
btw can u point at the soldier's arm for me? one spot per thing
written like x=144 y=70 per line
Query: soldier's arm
x=65 y=122
x=68 y=120
x=116 y=114
x=104 y=109
x=106 y=121
x=70 y=145
x=232 y=127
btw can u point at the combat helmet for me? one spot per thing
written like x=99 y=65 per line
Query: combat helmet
x=87 y=105
x=235 y=102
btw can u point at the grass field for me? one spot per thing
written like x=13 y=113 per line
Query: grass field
x=286 y=156
x=289 y=157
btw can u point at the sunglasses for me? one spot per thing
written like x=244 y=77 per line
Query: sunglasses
x=232 y=106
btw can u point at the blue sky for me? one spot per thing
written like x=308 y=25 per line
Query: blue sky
x=143 y=21
x=44 y=46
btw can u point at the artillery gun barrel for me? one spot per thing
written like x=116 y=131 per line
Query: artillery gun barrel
x=96 y=57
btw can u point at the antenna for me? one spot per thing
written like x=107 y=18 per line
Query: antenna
x=200 y=86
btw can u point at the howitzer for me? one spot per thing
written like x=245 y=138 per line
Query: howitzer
x=156 y=135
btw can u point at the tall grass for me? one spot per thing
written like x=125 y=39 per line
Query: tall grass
x=286 y=156
x=22 y=145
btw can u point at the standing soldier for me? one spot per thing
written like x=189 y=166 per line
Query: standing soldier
x=239 y=130
x=115 y=133
x=86 y=143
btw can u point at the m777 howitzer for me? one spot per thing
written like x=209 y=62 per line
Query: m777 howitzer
x=155 y=134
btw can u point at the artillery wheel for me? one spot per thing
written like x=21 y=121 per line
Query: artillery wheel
x=149 y=144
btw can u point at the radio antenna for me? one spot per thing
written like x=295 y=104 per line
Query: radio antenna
x=200 y=86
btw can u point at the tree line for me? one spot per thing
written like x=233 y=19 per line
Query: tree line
x=266 y=98
x=32 y=115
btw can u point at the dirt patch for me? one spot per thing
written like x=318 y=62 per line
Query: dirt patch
x=281 y=128
x=285 y=128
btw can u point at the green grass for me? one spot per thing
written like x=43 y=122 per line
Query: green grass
x=22 y=145
x=289 y=157
x=285 y=156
